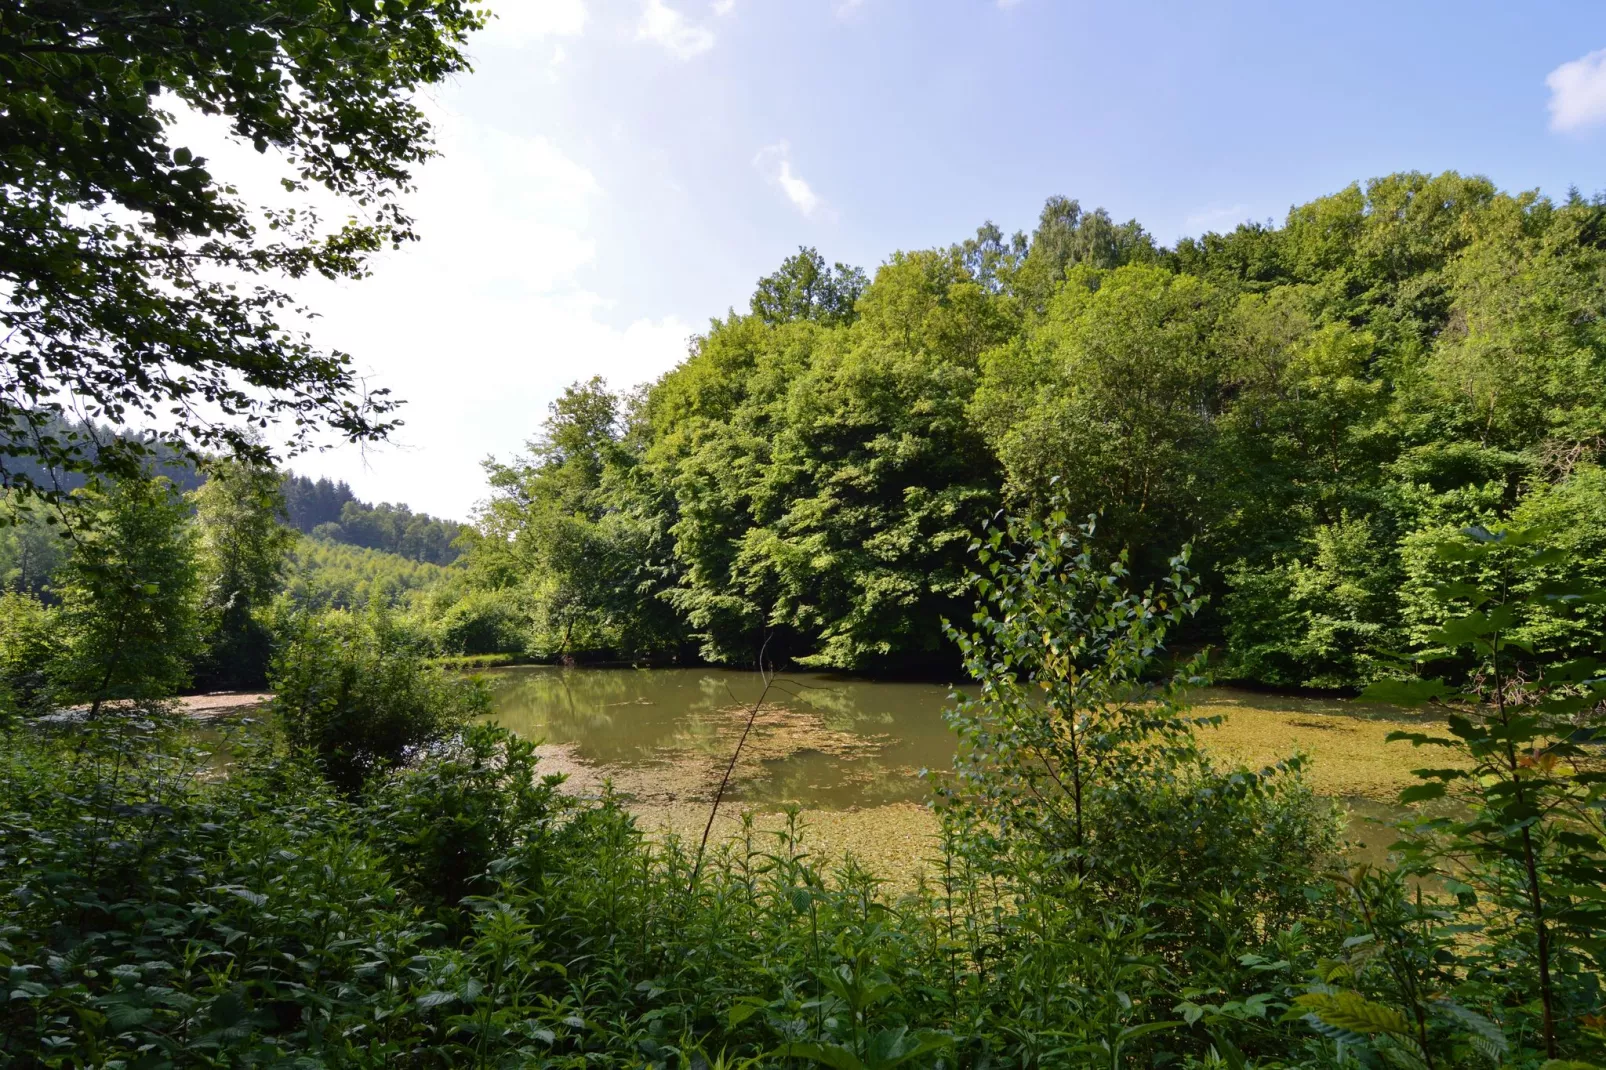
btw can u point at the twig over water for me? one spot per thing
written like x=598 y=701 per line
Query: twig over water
x=752 y=715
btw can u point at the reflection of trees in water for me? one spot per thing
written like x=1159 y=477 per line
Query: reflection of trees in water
x=815 y=778
x=625 y=716
x=839 y=704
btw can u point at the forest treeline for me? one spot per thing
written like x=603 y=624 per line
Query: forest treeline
x=331 y=511
x=322 y=507
x=231 y=573
x=1313 y=406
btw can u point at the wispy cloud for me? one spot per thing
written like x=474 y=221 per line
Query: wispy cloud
x=724 y=7
x=846 y=8
x=1211 y=218
x=774 y=162
x=1578 y=92
x=668 y=28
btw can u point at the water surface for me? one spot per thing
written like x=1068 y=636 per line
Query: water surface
x=828 y=742
x=825 y=741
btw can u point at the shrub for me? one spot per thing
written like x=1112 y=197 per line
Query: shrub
x=1081 y=767
x=1523 y=848
x=29 y=644
x=448 y=820
x=484 y=622
x=351 y=693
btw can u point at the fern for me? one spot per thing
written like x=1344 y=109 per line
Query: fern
x=1354 y=1013
x=1487 y=1037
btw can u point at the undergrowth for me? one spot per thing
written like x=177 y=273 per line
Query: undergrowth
x=1101 y=895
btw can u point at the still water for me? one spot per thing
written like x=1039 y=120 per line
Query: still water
x=834 y=743
x=824 y=742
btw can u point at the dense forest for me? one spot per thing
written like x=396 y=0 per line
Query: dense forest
x=331 y=511
x=297 y=572
x=327 y=509
x=20 y=465
x=1313 y=407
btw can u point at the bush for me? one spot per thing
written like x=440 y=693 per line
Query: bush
x=484 y=622
x=1083 y=762
x=451 y=818
x=28 y=645
x=153 y=915
x=1523 y=845
x=352 y=694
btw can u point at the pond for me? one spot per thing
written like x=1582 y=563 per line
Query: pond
x=827 y=742
x=820 y=742
x=849 y=751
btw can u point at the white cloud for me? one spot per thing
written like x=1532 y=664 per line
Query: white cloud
x=845 y=8
x=1578 y=92
x=518 y=22
x=775 y=163
x=668 y=28
x=482 y=323
x=723 y=7
x=479 y=325
x=1213 y=217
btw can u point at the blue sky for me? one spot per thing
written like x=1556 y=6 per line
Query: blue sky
x=615 y=172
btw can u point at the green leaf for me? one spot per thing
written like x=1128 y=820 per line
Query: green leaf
x=1479 y=624
x=1353 y=1012
x=1493 y=1036
x=1421 y=793
x=1405 y=692
x=1418 y=739
x=891 y=1047
x=832 y=1055
x=1464 y=592
x=256 y=899
x=743 y=1009
x=1457 y=551
x=1132 y=1032
x=1228 y=1051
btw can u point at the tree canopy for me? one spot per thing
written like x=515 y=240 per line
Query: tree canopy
x=135 y=284
x=1314 y=405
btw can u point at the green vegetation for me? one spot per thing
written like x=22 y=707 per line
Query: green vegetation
x=243 y=548
x=376 y=880
x=138 y=282
x=1380 y=425
x=331 y=511
x=129 y=615
x=1314 y=405
x=352 y=693
x=203 y=580
x=332 y=575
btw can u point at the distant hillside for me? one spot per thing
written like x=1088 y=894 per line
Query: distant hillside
x=331 y=575
x=165 y=462
x=331 y=511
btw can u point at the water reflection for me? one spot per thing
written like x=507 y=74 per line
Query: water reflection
x=824 y=741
